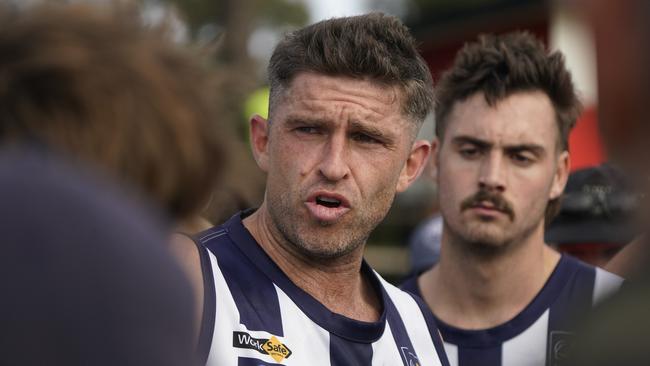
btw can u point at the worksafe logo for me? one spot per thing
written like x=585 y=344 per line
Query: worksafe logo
x=266 y=346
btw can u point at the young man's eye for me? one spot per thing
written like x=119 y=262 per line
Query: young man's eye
x=469 y=152
x=521 y=158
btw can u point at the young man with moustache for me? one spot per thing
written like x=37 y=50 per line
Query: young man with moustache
x=287 y=283
x=500 y=294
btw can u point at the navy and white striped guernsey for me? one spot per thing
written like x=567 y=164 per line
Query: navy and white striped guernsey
x=255 y=316
x=539 y=335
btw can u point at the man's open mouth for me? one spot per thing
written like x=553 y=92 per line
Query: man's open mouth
x=328 y=201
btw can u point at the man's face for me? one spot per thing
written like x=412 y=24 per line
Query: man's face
x=336 y=151
x=498 y=167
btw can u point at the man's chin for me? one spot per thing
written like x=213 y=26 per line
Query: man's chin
x=485 y=239
x=325 y=251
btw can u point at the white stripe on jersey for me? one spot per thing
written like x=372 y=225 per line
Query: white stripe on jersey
x=452 y=353
x=529 y=347
x=383 y=351
x=605 y=284
x=309 y=342
x=227 y=313
x=413 y=319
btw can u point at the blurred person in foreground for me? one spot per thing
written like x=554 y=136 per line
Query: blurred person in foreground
x=287 y=283
x=89 y=86
x=500 y=294
x=84 y=274
x=619 y=330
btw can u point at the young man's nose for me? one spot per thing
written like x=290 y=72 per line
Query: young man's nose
x=491 y=174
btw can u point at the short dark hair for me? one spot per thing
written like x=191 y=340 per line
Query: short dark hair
x=500 y=65
x=374 y=46
x=95 y=84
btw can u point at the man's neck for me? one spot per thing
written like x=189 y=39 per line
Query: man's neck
x=471 y=291
x=337 y=283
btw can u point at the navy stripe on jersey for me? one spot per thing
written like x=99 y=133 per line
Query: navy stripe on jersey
x=209 y=303
x=431 y=325
x=244 y=361
x=344 y=353
x=575 y=297
x=574 y=301
x=249 y=288
x=468 y=356
x=402 y=340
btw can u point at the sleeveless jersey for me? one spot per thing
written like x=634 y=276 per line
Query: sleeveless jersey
x=254 y=315
x=539 y=335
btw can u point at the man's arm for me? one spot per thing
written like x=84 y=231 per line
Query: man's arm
x=186 y=253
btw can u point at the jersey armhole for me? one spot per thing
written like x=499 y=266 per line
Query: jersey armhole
x=206 y=329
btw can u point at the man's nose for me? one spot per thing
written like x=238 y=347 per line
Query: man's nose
x=492 y=175
x=334 y=164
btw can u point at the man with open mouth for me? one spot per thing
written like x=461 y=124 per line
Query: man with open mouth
x=287 y=283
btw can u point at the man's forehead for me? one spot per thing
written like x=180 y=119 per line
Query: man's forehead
x=520 y=118
x=315 y=85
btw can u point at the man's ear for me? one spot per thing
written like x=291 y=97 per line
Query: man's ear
x=414 y=164
x=561 y=175
x=259 y=132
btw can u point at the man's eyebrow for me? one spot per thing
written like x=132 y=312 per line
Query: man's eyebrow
x=459 y=140
x=370 y=130
x=534 y=148
x=298 y=120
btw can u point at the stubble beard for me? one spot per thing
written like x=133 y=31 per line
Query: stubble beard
x=316 y=241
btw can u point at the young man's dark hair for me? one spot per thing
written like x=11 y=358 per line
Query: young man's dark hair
x=98 y=86
x=375 y=46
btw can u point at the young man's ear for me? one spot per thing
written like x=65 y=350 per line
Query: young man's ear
x=561 y=175
x=259 y=132
x=433 y=159
x=414 y=164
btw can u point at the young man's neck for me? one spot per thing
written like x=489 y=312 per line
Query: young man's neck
x=475 y=291
x=336 y=283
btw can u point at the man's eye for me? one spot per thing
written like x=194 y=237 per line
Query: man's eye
x=362 y=137
x=308 y=130
x=469 y=152
x=521 y=159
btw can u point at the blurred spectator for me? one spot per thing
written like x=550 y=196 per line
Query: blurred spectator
x=83 y=275
x=597 y=215
x=91 y=82
x=424 y=244
x=92 y=85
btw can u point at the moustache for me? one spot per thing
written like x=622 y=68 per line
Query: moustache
x=495 y=199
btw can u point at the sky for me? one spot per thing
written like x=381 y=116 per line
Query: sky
x=324 y=9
